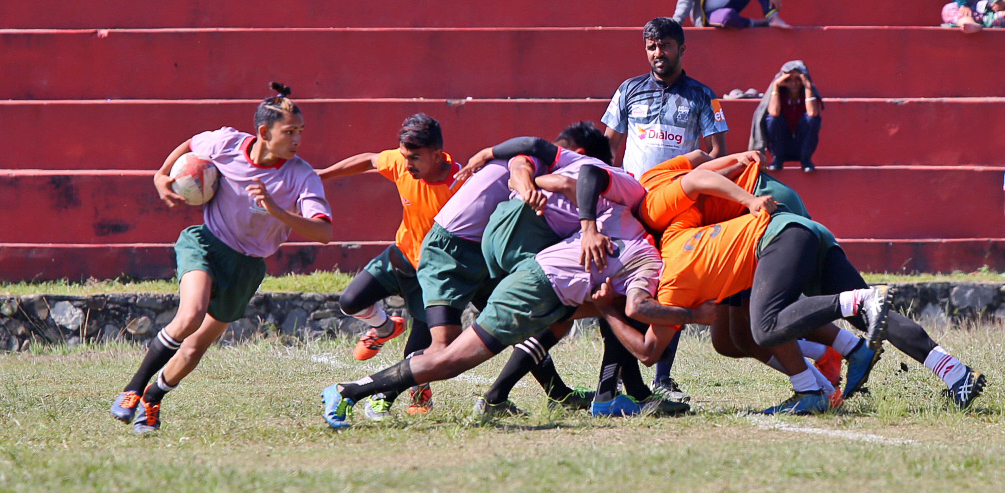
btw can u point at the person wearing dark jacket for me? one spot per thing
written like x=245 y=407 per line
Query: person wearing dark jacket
x=787 y=121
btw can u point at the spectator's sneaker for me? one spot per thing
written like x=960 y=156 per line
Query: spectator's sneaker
x=124 y=407
x=966 y=389
x=577 y=399
x=808 y=167
x=830 y=366
x=377 y=409
x=486 y=411
x=337 y=410
x=669 y=390
x=861 y=360
x=148 y=419
x=873 y=308
x=812 y=402
x=775 y=165
x=370 y=343
x=654 y=405
x=422 y=399
x=622 y=405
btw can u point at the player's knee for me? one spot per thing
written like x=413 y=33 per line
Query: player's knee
x=185 y=324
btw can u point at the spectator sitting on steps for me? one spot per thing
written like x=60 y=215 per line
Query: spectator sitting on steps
x=972 y=16
x=787 y=121
x=726 y=14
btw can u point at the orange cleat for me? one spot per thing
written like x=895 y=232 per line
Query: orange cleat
x=370 y=343
x=422 y=399
x=830 y=366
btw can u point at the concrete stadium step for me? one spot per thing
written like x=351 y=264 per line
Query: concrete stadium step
x=138 y=135
x=43 y=262
x=77 y=262
x=481 y=63
x=84 y=14
x=892 y=202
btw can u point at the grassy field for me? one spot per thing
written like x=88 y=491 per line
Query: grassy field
x=249 y=420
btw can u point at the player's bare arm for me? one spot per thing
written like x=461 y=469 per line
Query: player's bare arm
x=646 y=347
x=716 y=144
x=162 y=179
x=312 y=228
x=350 y=166
x=521 y=180
x=641 y=306
x=732 y=165
x=616 y=138
x=706 y=182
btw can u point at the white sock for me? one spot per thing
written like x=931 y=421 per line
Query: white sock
x=945 y=366
x=804 y=382
x=845 y=342
x=374 y=316
x=850 y=300
x=773 y=362
x=812 y=350
x=821 y=379
x=162 y=384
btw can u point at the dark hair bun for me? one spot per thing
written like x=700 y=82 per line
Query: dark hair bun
x=283 y=91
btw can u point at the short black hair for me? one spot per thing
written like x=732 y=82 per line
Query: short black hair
x=663 y=27
x=271 y=110
x=586 y=135
x=420 y=130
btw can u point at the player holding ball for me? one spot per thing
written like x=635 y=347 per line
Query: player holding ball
x=264 y=192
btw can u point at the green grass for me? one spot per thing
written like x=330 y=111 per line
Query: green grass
x=337 y=281
x=248 y=419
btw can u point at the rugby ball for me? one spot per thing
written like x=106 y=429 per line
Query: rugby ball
x=195 y=178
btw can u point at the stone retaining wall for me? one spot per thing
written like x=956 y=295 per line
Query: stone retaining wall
x=60 y=319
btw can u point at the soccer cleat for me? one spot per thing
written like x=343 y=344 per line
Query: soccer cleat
x=148 y=418
x=485 y=411
x=377 y=409
x=861 y=360
x=668 y=390
x=873 y=308
x=621 y=405
x=337 y=409
x=830 y=366
x=811 y=402
x=422 y=399
x=835 y=398
x=124 y=407
x=966 y=389
x=370 y=343
x=575 y=400
x=654 y=405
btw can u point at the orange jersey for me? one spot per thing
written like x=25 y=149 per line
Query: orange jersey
x=665 y=199
x=420 y=200
x=710 y=262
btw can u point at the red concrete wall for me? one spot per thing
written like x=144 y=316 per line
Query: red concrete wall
x=854 y=202
x=482 y=63
x=138 y=135
x=909 y=256
x=83 y=14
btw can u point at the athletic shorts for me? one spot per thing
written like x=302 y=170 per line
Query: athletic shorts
x=236 y=277
x=395 y=274
x=523 y=304
x=513 y=234
x=451 y=269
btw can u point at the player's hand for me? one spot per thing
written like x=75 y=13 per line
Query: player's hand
x=746 y=158
x=535 y=199
x=806 y=81
x=603 y=296
x=596 y=246
x=260 y=195
x=163 y=183
x=757 y=204
x=474 y=164
x=705 y=313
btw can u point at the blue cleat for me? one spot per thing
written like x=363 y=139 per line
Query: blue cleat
x=861 y=360
x=124 y=407
x=148 y=419
x=812 y=402
x=966 y=389
x=622 y=405
x=337 y=409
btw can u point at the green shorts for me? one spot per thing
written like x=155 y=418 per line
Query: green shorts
x=451 y=269
x=395 y=273
x=787 y=198
x=523 y=304
x=236 y=277
x=514 y=233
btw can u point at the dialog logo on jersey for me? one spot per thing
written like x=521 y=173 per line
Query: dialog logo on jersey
x=717 y=110
x=656 y=135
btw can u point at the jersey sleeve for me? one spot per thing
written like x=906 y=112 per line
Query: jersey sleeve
x=389 y=164
x=312 y=202
x=616 y=116
x=539 y=167
x=661 y=205
x=624 y=189
x=210 y=144
x=712 y=118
